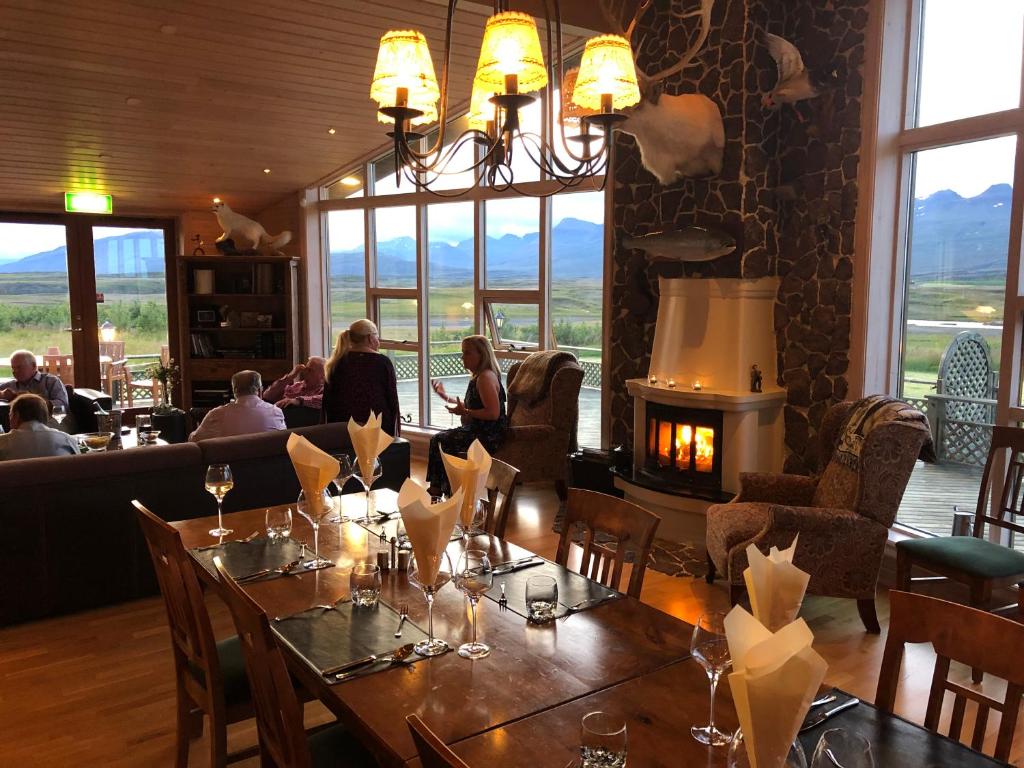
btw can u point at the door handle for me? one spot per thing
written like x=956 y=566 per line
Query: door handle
x=72 y=330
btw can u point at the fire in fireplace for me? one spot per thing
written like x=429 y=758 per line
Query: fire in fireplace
x=684 y=445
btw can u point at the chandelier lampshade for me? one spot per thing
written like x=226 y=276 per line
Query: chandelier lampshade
x=405 y=72
x=510 y=55
x=607 y=77
x=481 y=110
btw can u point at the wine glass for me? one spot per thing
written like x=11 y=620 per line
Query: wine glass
x=738 y=757
x=60 y=412
x=345 y=471
x=476 y=524
x=474 y=577
x=709 y=647
x=432 y=646
x=367 y=482
x=839 y=746
x=218 y=482
x=315 y=509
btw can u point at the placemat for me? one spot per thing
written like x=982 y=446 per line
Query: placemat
x=241 y=558
x=327 y=638
x=572 y=587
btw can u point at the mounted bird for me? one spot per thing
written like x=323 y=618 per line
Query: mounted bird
x=795 y=82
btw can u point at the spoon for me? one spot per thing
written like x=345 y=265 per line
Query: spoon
x=397 y=656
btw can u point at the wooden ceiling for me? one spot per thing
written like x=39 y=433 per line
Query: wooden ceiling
x=167 y=103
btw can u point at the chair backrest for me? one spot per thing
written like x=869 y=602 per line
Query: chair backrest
x=61 y=366
x=278 y=711
x=501 y=487
x=632 y=527
x=433 y=752
x=559 y=409
x=1011 y=441
x=192 y=641
x=112 y=349
x=979 y=639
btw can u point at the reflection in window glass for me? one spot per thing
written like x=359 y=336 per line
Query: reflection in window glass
x=396 y=246
x=351 y=185
x=577 y=282
x=517 y=324
x=513 y=243
x=346 y=270
x=407 y=369
x=970 y=58
x=450 y=297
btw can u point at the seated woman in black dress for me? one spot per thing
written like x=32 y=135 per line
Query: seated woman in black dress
x=360 y=380
x=483 y=412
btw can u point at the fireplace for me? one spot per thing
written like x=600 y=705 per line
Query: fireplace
x=684 y=446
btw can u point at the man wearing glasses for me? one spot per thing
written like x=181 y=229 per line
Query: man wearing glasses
x=28 y=379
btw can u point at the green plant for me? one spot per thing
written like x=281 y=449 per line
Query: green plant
x=168 y=375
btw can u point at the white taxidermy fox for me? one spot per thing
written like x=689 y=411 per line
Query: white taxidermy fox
x=247 y=233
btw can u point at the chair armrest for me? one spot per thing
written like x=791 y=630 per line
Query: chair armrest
x=831 y=520
x=795 y=490
x=529 y=433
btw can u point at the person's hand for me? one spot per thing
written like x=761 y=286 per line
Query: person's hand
x=459 y=409
x=7 y=394
x=284 y=403
x=299 y=368
x=438 y=387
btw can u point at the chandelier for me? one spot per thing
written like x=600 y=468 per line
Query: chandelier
x=511 y=72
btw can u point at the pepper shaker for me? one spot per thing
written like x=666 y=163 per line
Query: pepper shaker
x=382 y=562
x=394 y=552
x=403 y=561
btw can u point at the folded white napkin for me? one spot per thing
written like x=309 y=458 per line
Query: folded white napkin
x=469 y=475
x=429 y=526
x=776 y=586
x=368 y=441
x=314 y=468
x=774 y=680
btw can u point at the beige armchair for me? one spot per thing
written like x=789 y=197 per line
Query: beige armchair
x=541 y=434
x=842 y=516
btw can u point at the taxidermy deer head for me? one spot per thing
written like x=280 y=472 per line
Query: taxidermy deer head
x=678 y=136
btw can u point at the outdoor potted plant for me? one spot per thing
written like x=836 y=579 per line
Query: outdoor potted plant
x=166 y=418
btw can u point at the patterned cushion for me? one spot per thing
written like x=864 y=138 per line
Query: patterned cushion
x=837 y=488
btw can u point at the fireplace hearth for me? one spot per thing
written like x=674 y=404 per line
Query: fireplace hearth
x=684 y=446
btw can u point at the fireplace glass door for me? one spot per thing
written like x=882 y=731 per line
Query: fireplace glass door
x=684 y=445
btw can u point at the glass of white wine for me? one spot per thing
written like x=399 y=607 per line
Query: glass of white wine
x=60 y=412
x=218 y=482
x=711 y=650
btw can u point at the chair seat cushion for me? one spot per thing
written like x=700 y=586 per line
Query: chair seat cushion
x=335 y=746
x=232 y=671
x=969 y=554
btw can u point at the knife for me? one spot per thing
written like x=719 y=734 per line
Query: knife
x=821 y=717
x=355 y=664
x=516 y=565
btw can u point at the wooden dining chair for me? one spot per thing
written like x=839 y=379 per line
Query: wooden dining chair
x=501 y=487
x=209 y=675
x=61 y=366
x=433 y=752
x=283 y=739
x=976 y=638
x=632 y=528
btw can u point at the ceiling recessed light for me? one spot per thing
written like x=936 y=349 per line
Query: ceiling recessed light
x=168 y=29
x=331 y=131
x=133 y=101
x=351 y=181
x=266 y=170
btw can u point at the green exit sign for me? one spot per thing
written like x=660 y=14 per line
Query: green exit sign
x=88 y=202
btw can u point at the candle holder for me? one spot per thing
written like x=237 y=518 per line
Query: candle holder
x=697 y=386
x=671 y=383
x=652 y=379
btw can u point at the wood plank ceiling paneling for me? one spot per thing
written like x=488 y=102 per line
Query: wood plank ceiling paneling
x=166 y=103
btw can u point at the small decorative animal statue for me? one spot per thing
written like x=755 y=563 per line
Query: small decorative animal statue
x=756 y=378
x=795 y=82
x=246 y=233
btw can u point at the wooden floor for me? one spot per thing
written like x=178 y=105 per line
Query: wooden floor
x=96 y=689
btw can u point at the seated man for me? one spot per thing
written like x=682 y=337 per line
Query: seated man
x=29 y=437
x=303 y=386
x=28 y=378
x=248 y=413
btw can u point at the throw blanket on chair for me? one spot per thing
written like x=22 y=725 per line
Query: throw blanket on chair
x=533 y=378
x=868 y=413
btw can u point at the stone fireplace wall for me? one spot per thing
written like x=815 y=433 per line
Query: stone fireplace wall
x=787 y=193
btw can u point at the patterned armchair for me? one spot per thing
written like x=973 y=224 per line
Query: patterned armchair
x=842 y=515
x=541 y=436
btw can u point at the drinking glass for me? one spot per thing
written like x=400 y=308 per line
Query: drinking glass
x=738 y=757
x=432 y=646
x=218 y=482
x=474 y=577
x=709 y=647
x=541 y=599
x=603 y=741
x=839 y=746
x=315 y=510
x=143 y=426
x=476 y=525
x=60 y=413
x=364 y=584
x=367 y=482
x=345 y=471
x=279 y=523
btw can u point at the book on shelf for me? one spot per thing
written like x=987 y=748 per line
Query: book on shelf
x=201 y=345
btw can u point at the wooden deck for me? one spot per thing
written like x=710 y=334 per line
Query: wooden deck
x=932 y=492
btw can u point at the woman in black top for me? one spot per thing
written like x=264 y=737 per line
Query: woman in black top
x=360 y=380
x=483 y=412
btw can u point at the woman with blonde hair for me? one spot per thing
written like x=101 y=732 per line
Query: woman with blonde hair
x=360 y=380
x=482 y=412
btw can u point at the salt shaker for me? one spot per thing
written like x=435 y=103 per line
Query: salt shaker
x=403 y=561
x=383 y=562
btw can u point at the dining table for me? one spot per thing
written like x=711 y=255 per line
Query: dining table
x=522 y=704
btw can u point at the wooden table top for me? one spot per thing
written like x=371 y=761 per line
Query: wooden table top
x=531 y=668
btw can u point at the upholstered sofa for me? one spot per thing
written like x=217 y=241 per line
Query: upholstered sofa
x=540 y=437
x=842 y=516
x=70 y=539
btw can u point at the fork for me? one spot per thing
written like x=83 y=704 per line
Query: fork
x=283 y=570
x=403 y=614
x=502 y=601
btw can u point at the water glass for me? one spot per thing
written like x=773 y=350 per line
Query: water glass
x=603 y=741
x=143 y=426
x=364 y=584
x=839 y=746
x=279 y=523
x=738 y=757
x=541 y=599
x=59 y=413
x=711 y=650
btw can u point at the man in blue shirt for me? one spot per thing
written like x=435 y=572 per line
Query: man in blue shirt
x=29 y=379
x=29 y=437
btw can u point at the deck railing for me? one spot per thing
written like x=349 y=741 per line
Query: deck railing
x=446 y=364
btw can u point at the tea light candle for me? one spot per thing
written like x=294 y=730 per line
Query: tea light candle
x=696 y=386
x=671 y=383
x=653 y=379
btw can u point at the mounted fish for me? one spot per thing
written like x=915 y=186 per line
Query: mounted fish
x=690 y=244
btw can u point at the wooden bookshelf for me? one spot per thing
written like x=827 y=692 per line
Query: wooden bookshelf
x=237 y=313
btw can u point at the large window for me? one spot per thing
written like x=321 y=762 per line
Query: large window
x=957 y=257
x=526 y=271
